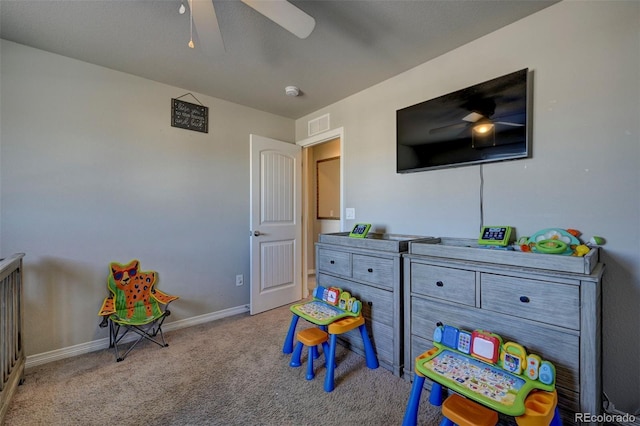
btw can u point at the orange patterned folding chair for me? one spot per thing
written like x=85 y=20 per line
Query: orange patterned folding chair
x=134 y=305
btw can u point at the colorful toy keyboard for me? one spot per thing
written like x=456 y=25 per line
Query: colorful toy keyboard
x=499 y=376
x=492 y=382
x=320 y=311
x=328 y=306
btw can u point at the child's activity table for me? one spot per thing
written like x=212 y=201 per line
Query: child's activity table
x=478 y=366
x=336 y=312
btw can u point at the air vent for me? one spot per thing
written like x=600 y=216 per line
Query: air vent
x=319 y=125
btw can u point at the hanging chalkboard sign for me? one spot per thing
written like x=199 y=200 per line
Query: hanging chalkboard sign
x=189 y=116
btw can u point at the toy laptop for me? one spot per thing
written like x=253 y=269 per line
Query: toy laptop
x=480 y=366
x=328 y=305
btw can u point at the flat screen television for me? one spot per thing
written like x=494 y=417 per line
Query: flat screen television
x=487 y=122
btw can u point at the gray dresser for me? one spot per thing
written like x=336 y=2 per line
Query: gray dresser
x=551 y=304
x=371 y=270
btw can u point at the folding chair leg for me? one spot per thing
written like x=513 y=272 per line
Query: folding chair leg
x=149 y=333
x=114 y=330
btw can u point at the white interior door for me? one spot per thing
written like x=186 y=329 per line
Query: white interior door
x=275 y=225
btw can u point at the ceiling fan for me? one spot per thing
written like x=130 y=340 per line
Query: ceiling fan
x=480 y=118
x=282 y=12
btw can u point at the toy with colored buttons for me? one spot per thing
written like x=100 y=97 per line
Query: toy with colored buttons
x=533 y=366
x=336 y=297
x=513 y=357
x=547 y=374
x=489 y=348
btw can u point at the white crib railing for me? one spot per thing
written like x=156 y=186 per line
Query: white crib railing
x=12 y=356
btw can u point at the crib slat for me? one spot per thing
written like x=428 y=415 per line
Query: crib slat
x=12 y=356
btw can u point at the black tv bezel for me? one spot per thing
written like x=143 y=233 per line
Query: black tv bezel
x=526 y=153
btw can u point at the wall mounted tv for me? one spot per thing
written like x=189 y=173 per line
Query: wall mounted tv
x=483 y=123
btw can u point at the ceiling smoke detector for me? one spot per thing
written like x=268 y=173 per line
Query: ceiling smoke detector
x=292 y=91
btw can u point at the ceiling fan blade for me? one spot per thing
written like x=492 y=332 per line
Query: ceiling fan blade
x=468 y=119
x=284 y=14
x=448 y=128
x=472 y=117
x=506 y=123
x=206 y=25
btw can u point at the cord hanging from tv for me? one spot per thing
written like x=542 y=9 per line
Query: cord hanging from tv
x=487 y=122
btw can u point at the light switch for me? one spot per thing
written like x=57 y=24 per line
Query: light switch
x=350 y=213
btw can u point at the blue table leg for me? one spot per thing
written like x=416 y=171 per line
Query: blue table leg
x=411 y=413
x=287 y=348
x=556 y=420
x=310 y=374
x=369 y=353
x=325 y=349
x=435 y=397
x=331 y=366
x=295 y=358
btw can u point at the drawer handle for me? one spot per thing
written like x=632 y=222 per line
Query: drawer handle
x=440 y=284
x=370 y=269
x=332 y=262
x=524 y=299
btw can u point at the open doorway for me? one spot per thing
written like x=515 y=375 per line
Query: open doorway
x=323 y=196
x=323 y=203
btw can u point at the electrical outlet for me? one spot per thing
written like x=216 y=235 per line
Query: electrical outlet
x=239 y=280
x=350 y=213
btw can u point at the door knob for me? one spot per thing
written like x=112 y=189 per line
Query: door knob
x=256 y=233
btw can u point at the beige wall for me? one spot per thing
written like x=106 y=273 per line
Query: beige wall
x=584 y=174
x=92 y=172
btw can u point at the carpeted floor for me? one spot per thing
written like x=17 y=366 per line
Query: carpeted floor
x=226 y=372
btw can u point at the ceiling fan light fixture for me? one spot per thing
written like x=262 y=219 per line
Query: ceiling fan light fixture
x=191 y=45
x=483 y=128
x=483 y=134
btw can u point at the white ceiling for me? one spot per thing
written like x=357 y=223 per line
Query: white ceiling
x=354 y=45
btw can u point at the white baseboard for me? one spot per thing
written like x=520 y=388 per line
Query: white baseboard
x=95 y=345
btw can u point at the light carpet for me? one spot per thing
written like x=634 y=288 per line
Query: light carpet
x=226 y=372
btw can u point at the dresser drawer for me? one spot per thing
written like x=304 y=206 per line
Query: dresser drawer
x=375 y=270
x=544 y=301
x=456 y=285
x=334 y=262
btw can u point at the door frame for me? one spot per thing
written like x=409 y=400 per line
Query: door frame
x=306 y=143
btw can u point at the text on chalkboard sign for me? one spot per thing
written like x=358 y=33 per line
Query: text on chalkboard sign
x=189 y=116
